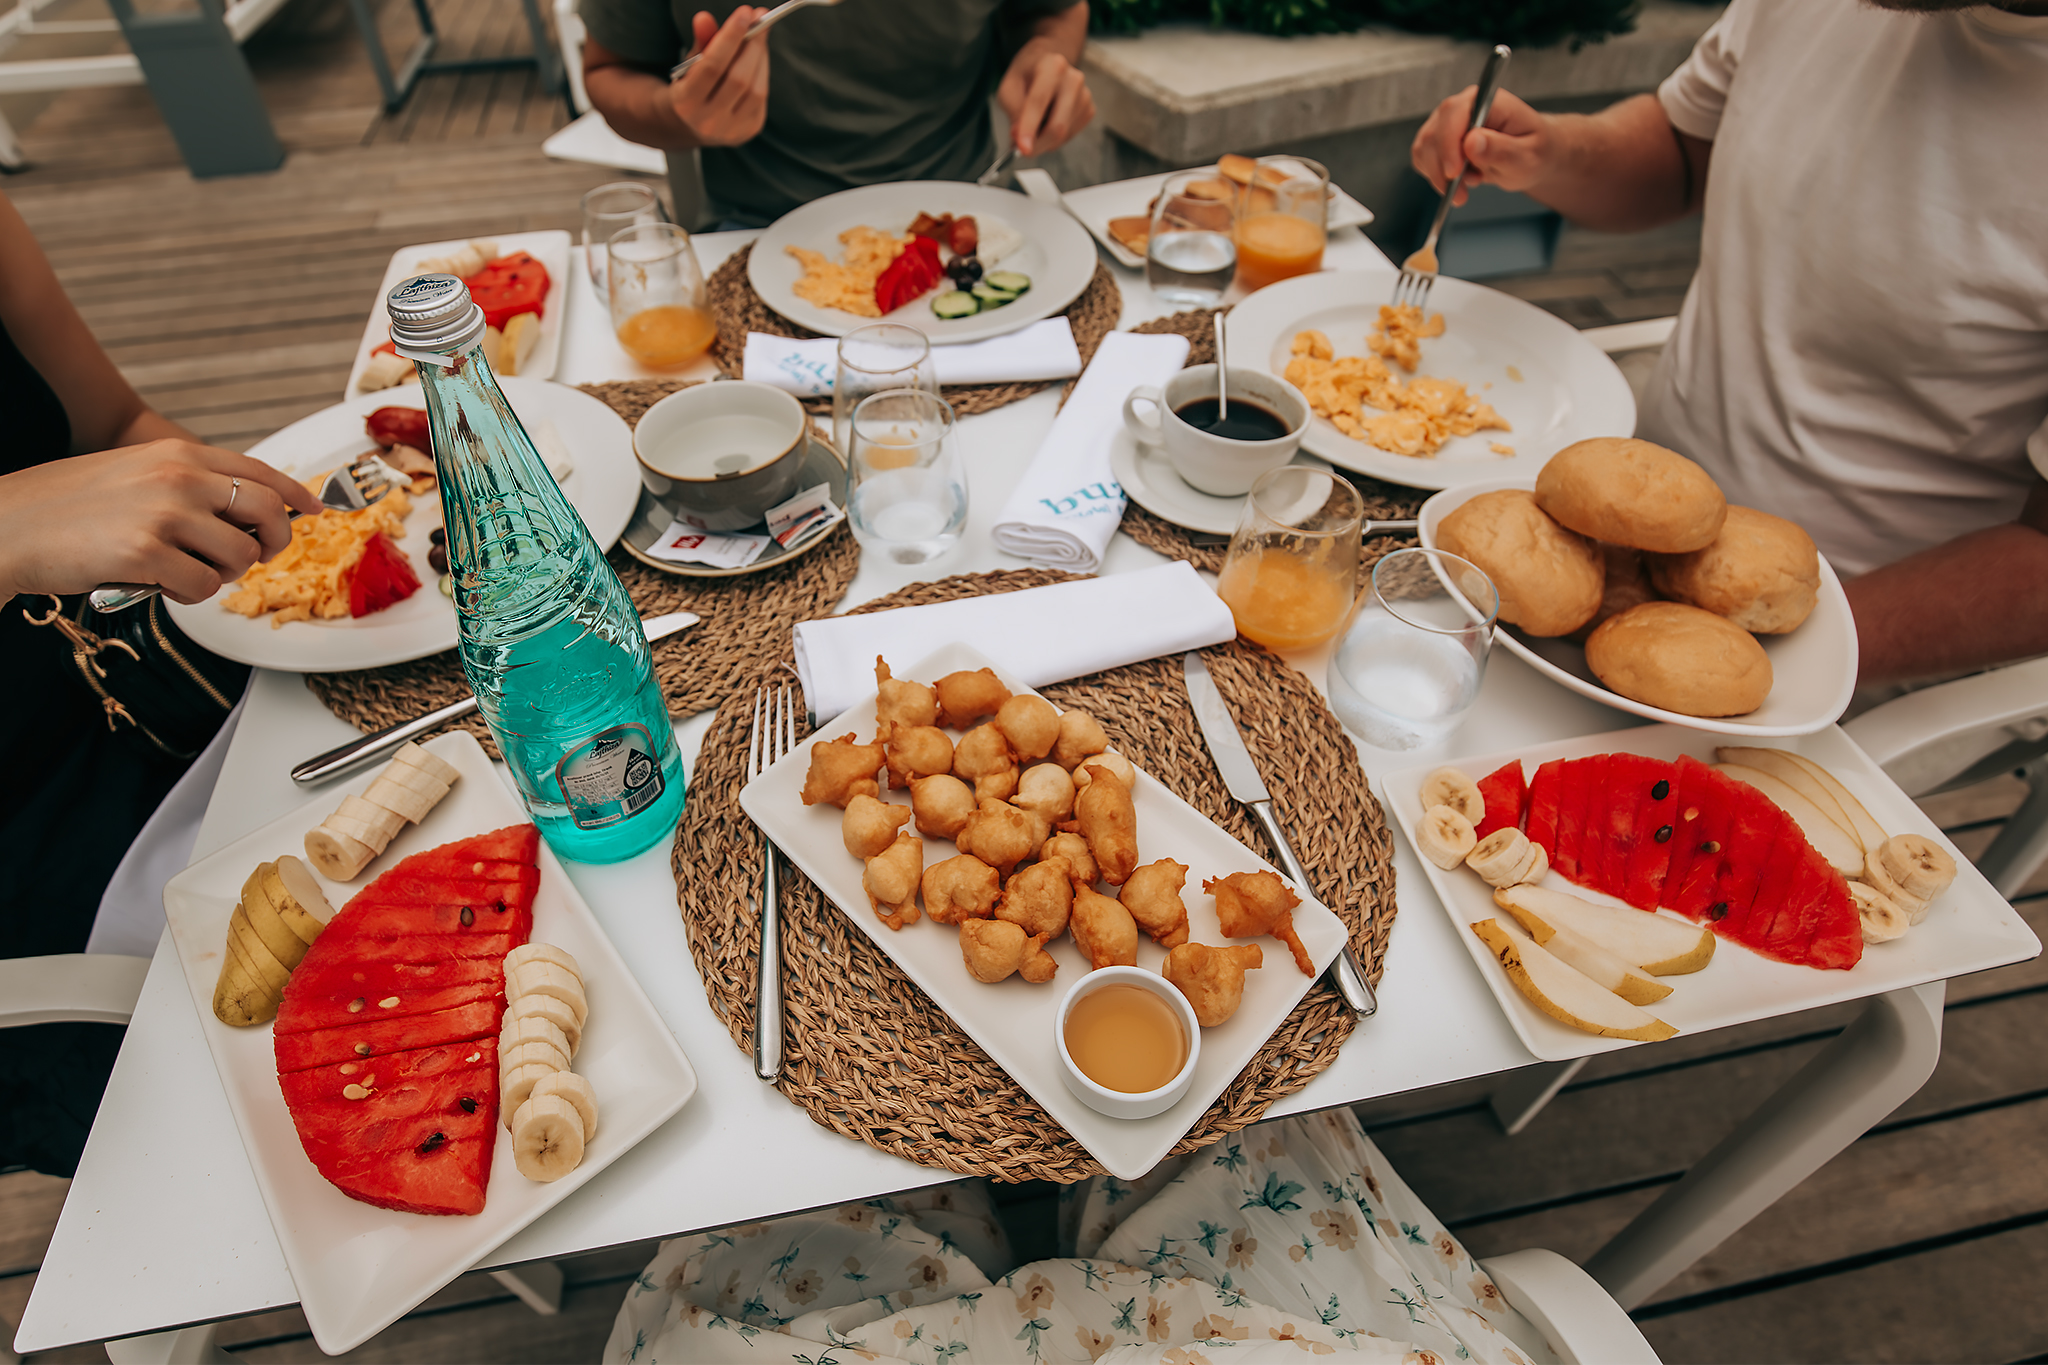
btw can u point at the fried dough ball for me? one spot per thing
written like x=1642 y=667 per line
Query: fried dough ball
x=1152 y=895
x=993 y=949
x=899 y=701
x=1115 y=763
x=941 y=804
x=917 y=751
x=1105 y=817
x=870 y=825
x=1080 y=737
x=966 y=697
x=1048 y=789
x=1212 y=978
x=1002 y=835
x=1039 y=899
x=984 y=757
x=1030 y=724
x=1249 y=904
x=1074 y=849
x=1103 y=930
x=891 y=880
x=841 y=770
x=960 y=888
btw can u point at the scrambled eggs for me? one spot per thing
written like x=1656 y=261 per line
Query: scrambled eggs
x=1418 y=416
x=309 y=577
x=848 y=285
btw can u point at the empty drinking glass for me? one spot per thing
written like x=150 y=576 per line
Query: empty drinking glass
x=907 y=494
x=606 y=209
x=1291 y=573
x=1190 y=255
x=887 y=355
x=1411 y=664
x=657 y=296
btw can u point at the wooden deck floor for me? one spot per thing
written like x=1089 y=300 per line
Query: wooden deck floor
x=235 y=305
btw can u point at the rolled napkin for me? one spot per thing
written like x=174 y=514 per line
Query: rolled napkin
x=1044 y=350
x=1042 y=635
x=1067 y=506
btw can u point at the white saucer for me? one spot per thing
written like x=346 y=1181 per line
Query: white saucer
x=1149 y=480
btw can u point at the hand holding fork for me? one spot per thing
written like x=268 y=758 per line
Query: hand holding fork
x=1419 y=271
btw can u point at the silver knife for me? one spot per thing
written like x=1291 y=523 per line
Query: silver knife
x=371 y=747
x=1241 y=776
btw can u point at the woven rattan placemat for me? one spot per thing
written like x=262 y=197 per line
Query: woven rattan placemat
x=869 y=1056
x=746 y=619
x=739 y=310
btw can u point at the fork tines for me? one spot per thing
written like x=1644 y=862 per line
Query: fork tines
x=1413 y=287
x=774 y=730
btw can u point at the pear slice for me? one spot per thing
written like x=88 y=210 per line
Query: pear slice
x=304 y=893
x=1782 y=766
x=1653 y=943
x=1601 y=967
x=1564 y=993
x=1841 y=848
x=1868 y=831
x=268 y=923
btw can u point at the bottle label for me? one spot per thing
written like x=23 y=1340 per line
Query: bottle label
x=610 y=777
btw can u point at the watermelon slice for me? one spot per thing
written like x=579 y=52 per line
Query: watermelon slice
x=1507 y=794
x=1542 y=805
x=382 y=575
x=1651 y=862
x=1585 y=785
x=1632 y=779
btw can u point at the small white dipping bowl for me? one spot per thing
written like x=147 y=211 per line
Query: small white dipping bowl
x=1124 y=1104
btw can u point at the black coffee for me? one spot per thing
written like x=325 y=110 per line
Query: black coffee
x=1246 y=422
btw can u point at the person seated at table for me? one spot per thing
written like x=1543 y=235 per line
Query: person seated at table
x=95 y=486
x=834 y=98
x=1294 y=1237
x=1864 y=349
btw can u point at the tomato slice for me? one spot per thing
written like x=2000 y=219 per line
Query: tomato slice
x=913 y=272
x=382 y=575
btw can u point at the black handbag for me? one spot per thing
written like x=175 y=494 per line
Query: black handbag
x=156 y=688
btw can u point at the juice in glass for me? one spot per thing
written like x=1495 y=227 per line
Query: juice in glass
x=1276 y=246
x=1287 y=601
x=668 y=334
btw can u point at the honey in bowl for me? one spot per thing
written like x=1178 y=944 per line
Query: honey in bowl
x=1126 y=1038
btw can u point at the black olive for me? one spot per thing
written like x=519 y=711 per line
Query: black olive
x=468 y=1104
x=1663 y=834
x=1660 y=791
x=437 y=558
x=468 y=917
x=438 y=536
x=1718 y=910
x=431 y=1143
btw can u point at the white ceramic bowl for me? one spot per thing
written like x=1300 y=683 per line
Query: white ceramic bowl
x=1124 y=1104
x=720 y=455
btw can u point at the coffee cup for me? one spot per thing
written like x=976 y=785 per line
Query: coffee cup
x=717 y=456
x=1223 y=465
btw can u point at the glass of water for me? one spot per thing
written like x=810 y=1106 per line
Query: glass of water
x=1410 y=666
x=907 y=493
x=1191 y=255
x=887 y=355
x=606 y=209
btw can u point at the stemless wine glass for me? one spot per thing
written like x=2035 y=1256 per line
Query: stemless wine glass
x=907 y=494
x=1282 y=221
x=1291 y=573
x=657 y=296
x=606 y=209
x=1410 y=666
x=1190 y=257
x=887 y=355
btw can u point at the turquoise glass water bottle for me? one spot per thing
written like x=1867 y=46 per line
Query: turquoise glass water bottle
x=550 y=641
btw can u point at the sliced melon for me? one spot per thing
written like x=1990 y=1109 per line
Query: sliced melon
x=1562 y=992
x=1651 y=942
x=1841 y=848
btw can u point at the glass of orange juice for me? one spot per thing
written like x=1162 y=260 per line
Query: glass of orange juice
x=1291 y=575
x=1282 y=219
x=657 y=296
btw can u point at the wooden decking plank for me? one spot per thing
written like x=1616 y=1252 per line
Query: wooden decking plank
x=514 y=1332
x=29 y=1204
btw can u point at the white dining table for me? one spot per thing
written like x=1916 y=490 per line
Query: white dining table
x=164 y=1226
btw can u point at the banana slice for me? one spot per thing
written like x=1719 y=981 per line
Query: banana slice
x=538 y=1051
x=554 y=1010
x=577 y=1091
x=1882 y=920
x=1535 y=869
x=413 y=780
x=1499 y=856
x=541 y=977
x=381 y=819
x=536 y=952
x=1920 y=866
x=1449 y=787
x=547 y=1137
x=399 y=799
x=1445 y=836
x=413 y=756
x=518 y=1028
x=373 y=837
x=1885 y=884
x=519 y=1083
x=340 y=857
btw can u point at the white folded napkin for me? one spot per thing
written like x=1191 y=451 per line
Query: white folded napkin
x=1041 y=635
x=1044 y=350
x=1067 y=506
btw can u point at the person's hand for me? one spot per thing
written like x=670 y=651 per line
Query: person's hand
x=723 y=99
x=1514 y=151
x=1046 y=98
x=166 y=512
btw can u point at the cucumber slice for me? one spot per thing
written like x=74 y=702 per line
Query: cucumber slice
x=1009 y=281
x=957 y=303
x=990 y=296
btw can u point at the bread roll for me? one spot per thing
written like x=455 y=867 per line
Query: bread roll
x=1761 y=572
x=1548 y=579
x=1632 y=493
x=1681 y=658
x=1627 y=585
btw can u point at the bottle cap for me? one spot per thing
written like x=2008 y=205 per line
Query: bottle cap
x=433 y=314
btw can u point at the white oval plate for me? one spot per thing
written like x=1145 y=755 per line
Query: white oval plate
x=1568 y=390
x=1813 y=669
x=603 y=487
x=1058 y=255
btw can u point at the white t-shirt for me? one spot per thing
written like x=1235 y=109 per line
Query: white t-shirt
x=1865 y=347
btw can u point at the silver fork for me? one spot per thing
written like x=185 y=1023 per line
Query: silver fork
x=1418 y=272
x=760 y=25
x=774 y=735
x=362 y=482
x=994 y=173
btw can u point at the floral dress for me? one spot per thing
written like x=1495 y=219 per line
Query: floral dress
x=1289 y=1240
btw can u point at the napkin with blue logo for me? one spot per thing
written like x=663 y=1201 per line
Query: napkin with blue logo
x=1043 y=351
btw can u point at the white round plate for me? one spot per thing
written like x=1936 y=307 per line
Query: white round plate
x=603 y=487
x=1568 y=388
x=1149 y=479
x=1058 y=255
x=1813 y=669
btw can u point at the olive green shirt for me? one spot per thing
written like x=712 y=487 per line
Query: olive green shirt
x=869 y=91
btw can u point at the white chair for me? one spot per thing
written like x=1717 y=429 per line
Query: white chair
x=1580 y=1320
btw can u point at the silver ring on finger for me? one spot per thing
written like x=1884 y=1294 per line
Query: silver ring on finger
x=233 y=493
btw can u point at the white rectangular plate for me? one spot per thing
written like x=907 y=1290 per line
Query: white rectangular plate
x=1095 y=205
x=550 y=248
x=358 y=1268
x=1970 y=927
x=1013 y=1021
